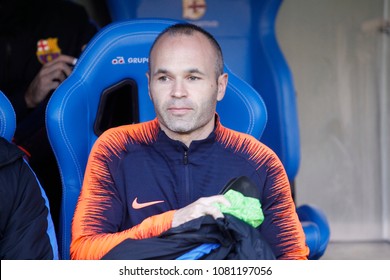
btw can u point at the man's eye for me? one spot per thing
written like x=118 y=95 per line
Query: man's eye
x=163 y=78
x=193 y=78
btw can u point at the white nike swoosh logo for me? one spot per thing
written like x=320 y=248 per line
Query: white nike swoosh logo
x=137 y=205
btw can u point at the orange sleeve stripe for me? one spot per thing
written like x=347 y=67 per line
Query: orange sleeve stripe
x=95 y=246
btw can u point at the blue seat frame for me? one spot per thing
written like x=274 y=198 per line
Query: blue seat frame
x=7 y=118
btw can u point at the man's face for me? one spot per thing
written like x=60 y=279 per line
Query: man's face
x=183 y=85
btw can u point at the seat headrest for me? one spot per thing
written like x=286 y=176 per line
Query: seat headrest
x=7 y=118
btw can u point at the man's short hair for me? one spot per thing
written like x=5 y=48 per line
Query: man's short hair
x=189 y=29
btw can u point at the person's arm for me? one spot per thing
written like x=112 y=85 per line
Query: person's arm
x=93 y=244
x=281 y=226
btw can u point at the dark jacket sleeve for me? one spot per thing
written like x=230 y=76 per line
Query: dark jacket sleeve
x=24 y=215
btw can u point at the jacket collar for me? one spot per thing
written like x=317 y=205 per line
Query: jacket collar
x=197 y=148
x=9 y=152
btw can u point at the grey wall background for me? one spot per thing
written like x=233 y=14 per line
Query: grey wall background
x=340 y=63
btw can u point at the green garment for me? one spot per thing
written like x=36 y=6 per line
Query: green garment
x=247 y=209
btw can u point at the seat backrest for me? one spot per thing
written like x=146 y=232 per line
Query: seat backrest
x=119 y=52
x=7 y=118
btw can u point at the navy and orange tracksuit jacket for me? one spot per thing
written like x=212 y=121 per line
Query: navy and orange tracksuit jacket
x=136 y=177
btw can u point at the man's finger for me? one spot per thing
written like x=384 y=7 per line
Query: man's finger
x=64 y=59
x=216 y=199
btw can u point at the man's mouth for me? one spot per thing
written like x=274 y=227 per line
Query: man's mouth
x=179 y=110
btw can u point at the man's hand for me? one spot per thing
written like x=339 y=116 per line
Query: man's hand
x=202 y=207
x=51 y=75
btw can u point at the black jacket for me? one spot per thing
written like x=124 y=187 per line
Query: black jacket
x=237 y=240
x=23 y=213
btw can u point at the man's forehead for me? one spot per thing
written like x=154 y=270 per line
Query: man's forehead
x=192 y=56
x=167 y=37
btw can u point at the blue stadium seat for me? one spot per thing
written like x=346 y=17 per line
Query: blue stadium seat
x=7 y=118
x=316 y=228
x=118 y=56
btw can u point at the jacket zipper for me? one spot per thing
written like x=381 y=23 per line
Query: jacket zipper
x=186 y=176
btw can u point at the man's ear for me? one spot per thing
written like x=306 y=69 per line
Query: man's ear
x=148 y=77
x=222 y=84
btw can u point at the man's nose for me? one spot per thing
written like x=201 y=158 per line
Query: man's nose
x=179 y=90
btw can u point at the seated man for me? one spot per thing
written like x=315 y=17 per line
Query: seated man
x=26 y=228
x=144 y=179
